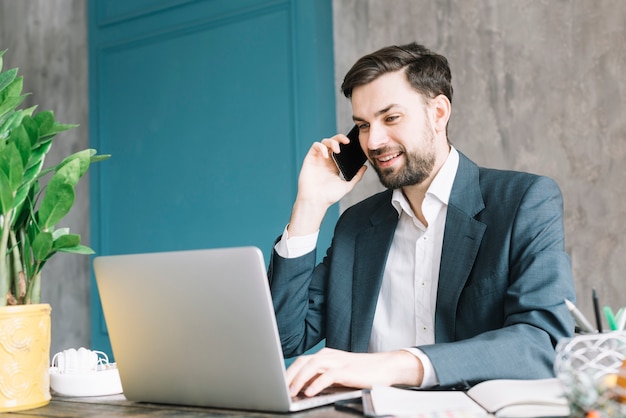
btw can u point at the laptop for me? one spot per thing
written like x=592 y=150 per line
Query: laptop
x=198 y=328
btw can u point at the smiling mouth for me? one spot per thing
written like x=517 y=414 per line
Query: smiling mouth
x=388 y=157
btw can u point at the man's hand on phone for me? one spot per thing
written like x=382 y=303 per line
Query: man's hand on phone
x=319 y=186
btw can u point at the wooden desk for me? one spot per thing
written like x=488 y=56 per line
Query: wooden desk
x=117 y=406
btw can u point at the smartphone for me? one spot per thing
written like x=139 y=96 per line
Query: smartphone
x=351 y=158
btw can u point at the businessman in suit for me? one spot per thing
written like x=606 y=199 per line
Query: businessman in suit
x=455 y=274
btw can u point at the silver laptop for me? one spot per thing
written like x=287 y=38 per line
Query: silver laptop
x=197 y=328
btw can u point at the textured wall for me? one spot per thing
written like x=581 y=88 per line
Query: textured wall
x=47 y=41
x=539 y=87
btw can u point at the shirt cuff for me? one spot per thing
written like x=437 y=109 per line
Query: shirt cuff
x=295 y=246
x=430 y=377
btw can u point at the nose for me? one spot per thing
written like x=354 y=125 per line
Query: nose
x=376 y=137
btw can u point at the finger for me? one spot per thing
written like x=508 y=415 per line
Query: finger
x=333 y=143
x=320 y=382
x=342 y=138
x=321 y=148
x=302 y=380
x=359 y=174
x=299 y=374
x=295 y=367
x=309 y=370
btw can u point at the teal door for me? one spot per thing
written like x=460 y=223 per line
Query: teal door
x=207 y=108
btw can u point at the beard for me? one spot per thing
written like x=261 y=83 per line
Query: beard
x=417 y=168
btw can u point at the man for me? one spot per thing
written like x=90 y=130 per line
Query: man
x=456 y=274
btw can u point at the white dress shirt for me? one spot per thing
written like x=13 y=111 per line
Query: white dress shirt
x=412 y=268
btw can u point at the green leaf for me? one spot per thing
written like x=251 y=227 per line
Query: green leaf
x=32 y=230
x=38 y=155
x=4 y=122
x=7 y=77
x=79 y=249
x=84 y=159
x=6 y=195
x=45 y=121
x=57 y=233
x=24 y=207
x=31 y=128
x=66 y=241
x=48 y=126
x=30 y=177
x=12 y=166
x=56 y=203
x=42 y=246
x=60 y=127
x=10 y=103
x=20 y=138
x=69 y=172
x=10 y=120
x=14 y=118
x=26 y=252
x=29 y=111
x=14 y=89
x=101 y=157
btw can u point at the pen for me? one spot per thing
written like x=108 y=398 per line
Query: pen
x=610 y=318
x=596 y=309
x=578 y=316
x=462 y=386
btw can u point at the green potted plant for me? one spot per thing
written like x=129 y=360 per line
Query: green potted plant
x=33 y=199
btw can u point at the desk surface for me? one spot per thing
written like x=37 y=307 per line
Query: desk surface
x=118 y=406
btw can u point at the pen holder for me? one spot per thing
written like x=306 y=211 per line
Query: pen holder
x=589 y=368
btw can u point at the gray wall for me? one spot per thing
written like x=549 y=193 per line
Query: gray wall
x=539 y=87
x=47 y=41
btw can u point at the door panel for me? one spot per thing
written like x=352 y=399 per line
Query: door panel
x=207 y=108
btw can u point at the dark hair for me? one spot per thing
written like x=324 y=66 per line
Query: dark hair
x=428 y=73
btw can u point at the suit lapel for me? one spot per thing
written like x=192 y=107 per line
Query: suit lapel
x=372 y=247
x=461 y=241
x=462 y=237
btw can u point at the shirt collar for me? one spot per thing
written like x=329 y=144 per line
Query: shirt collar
x=441 y=186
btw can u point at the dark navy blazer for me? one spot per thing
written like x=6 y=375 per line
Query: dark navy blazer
x=503 y=277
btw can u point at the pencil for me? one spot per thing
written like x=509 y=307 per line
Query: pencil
x=596 y=309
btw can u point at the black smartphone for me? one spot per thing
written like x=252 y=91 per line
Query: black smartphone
x=351 y=158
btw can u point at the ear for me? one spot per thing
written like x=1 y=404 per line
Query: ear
x=441 y=109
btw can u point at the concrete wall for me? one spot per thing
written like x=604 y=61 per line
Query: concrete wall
x=47 y=41
x=539 y=86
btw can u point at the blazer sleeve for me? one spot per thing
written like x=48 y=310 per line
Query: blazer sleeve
x=298 y=288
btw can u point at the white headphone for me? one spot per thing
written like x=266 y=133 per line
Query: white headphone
x=73 y=361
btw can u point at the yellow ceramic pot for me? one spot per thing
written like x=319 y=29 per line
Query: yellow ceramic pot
x=24 y=357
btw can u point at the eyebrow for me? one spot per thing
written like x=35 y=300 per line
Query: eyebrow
x=380 y=112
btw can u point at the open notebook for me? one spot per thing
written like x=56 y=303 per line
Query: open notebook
x=197 y=328
x=506 y=398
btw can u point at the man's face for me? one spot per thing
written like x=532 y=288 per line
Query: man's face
x=395 y=130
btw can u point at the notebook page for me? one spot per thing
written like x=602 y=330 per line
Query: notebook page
x=521 y=398
x=387 y=400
